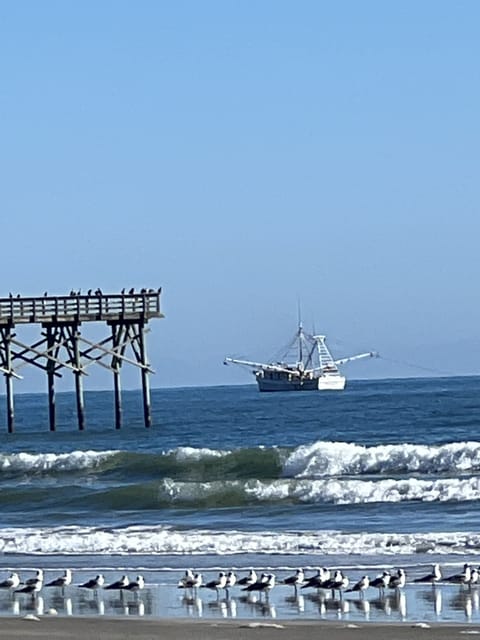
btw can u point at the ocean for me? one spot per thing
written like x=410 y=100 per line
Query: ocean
x=381 y=476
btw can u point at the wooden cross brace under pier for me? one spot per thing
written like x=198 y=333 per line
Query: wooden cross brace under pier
x=63 y=346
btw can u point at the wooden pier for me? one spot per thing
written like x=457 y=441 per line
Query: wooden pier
x=63 y=346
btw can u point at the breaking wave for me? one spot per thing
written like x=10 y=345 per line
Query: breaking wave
x=161 y=540
x=344 y=458
x=317 y=460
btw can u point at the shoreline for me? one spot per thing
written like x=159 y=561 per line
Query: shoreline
x=109 y=628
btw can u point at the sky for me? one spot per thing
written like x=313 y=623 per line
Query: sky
x=247 y=157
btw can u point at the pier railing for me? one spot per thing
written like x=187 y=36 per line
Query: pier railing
x=79 y=308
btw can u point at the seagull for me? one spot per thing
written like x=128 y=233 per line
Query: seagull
x=461 y=578
x=381 y=582
x=474 y=577
x=62 y=581
x=191 y=583
x=184 y=583
x=119 y=584
x=343 y=584
x=31 y=589
x=94 y=583
x=296 y=579
x=11 y=582
x=247 y=580
x=433 y=577
x=264 y=585
x=217 y=584
x=317 y=581
x=398 y=581
x=362 y=585
x=135 y=585
x=337 y=583
x=38 y=578
x=230 y=582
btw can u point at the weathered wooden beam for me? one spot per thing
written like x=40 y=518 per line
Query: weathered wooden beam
x=112 y=352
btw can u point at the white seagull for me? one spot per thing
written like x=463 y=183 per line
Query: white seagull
x=295 y=580
x=461 y=578
x=230 y=582
x=217 y=584
x=250 y=579
x=264 y=585
x=434 y=576
x=184 y=583
x=62 y=581
x=135 y=585
x=381 y=582
x=398 y=581
x=94 y=583
x=31 y=589
x=119 y=584
x=11 y=582
x=38 y=578
x=361 y=586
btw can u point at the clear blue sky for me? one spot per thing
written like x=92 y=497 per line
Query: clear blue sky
x=244 y=155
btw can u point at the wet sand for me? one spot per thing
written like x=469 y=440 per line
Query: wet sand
x=52 y=628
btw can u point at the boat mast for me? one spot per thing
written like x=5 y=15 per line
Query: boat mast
x=300 y=334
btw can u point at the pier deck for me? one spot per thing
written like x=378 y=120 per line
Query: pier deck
x=92 y=308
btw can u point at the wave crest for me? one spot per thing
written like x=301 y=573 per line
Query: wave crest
x=161 y=540
x=343 y=458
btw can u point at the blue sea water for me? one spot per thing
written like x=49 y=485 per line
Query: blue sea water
x=384 y=474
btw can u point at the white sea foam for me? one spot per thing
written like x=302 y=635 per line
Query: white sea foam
x=42 y=462
x=329 y=491
x=183 y=454
x=343 y=458
x=159 y=540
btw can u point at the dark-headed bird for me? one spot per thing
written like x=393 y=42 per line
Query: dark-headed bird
x=119 y=584
x=381 y=582
x=94 y=583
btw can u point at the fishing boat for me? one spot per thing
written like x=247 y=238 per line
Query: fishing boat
x=306 y=365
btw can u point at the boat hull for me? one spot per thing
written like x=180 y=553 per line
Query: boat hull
x=324 y=383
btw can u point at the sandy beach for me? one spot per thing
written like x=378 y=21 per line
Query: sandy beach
x=111 y=628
